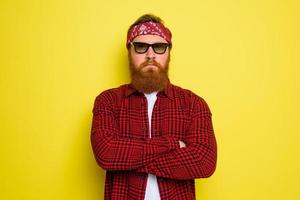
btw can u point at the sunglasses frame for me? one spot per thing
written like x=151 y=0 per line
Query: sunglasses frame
x=167 y=45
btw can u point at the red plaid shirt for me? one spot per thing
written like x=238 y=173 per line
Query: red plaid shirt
x=121 y=143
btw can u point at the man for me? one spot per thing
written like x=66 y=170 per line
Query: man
x=153 y=138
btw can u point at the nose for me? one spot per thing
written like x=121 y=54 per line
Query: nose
x=150 y=54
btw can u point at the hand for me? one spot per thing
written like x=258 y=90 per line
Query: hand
x=181 y=144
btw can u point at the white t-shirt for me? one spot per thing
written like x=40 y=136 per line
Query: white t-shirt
x=152 y=190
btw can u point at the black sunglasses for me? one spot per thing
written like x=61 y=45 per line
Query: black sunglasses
x=141 y=47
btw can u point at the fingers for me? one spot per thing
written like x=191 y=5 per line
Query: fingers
x=181 y=144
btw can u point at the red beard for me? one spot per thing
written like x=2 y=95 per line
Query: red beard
x=151 y=80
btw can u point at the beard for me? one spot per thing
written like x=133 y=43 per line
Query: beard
x=149 y=80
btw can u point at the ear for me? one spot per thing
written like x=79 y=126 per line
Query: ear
x=129 y=53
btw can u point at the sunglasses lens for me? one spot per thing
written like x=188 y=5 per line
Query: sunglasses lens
x=140 y=47
x=160 y=48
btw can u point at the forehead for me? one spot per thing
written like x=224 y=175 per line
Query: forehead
x=149 y=39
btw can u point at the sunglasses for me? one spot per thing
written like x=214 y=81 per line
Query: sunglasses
x=141 y=47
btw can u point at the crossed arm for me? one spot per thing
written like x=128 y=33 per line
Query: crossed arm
x=118 y=153
x=195 y=157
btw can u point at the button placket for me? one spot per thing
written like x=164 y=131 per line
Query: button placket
x=144 y=109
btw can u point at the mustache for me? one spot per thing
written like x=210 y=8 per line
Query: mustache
x=152 y=62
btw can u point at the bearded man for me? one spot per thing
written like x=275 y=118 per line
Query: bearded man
x=153 y=138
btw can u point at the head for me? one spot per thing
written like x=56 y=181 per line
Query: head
x=149 y=44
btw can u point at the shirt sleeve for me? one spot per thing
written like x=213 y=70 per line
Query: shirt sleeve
x=118 y=153
x=198 y=158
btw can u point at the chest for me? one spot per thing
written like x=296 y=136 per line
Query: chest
x=168 y=117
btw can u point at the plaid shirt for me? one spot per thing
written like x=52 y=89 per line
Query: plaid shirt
x=121 y=143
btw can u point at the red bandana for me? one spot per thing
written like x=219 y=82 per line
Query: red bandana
x=149 y=28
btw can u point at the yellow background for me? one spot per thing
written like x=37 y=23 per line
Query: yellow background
x=56 y=56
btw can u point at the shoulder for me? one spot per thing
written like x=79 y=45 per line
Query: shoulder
x=189 y=98
x=183 y=93
x=112 y=95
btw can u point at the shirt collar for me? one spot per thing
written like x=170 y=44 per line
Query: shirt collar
x=167 y=91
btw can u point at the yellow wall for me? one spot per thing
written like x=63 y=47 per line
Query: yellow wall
x=56 y=56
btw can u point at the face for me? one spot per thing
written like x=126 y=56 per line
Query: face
x=149 y=70
x=138 y=59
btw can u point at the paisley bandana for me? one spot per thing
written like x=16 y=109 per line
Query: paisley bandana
x=149 y=28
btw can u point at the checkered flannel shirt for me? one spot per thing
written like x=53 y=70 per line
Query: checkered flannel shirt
x=121 y=144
